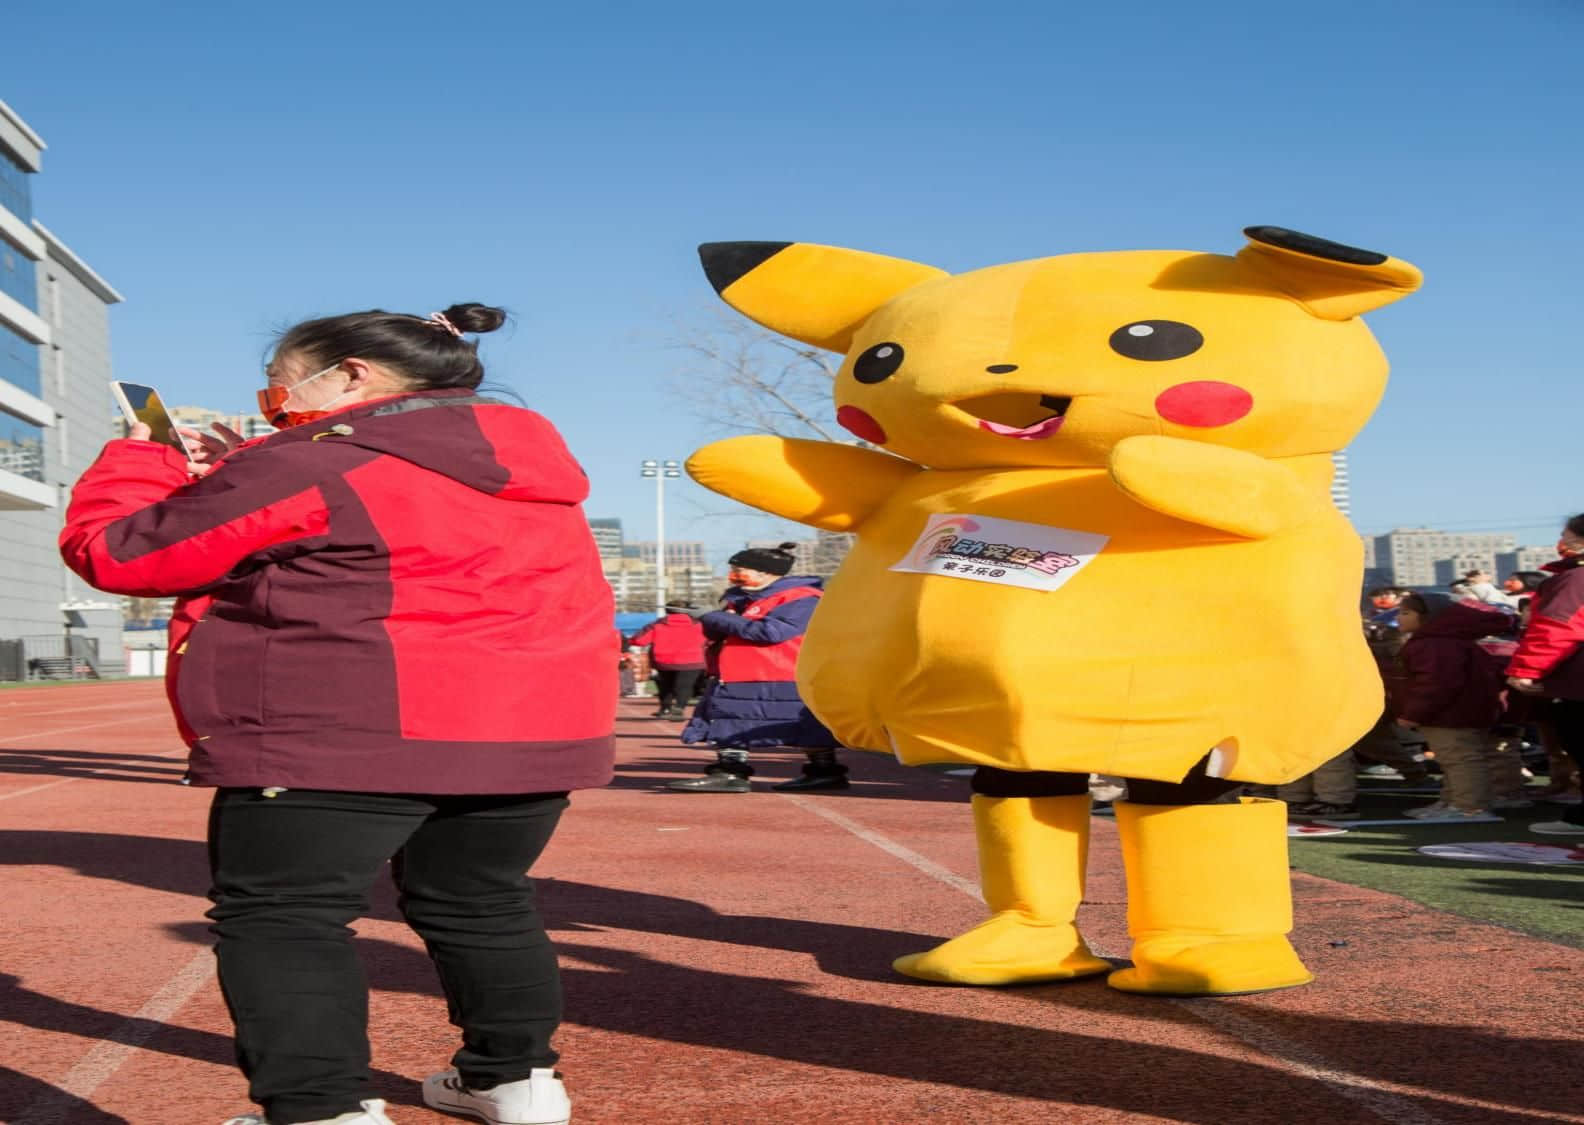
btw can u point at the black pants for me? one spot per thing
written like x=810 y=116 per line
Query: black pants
x=677 y=686
x=1567 y=716
x=291 y=871
x=1195 y=789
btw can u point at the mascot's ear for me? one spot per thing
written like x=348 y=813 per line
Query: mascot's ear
x=817 y=294
x=1332 y=281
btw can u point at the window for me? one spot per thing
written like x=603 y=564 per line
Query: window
x=21 y=448
x=19 y=361
x=63 y=440
x=16 y=191
x=18 y=275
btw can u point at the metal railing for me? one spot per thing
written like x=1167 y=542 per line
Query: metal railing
x=49 y=658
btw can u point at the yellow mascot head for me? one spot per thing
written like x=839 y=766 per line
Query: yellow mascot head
x=1049 y=363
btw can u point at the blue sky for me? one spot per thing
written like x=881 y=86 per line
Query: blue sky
x=234 y=168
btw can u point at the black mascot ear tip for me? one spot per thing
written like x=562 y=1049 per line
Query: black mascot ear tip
x=726 y=262
x=1313 y=246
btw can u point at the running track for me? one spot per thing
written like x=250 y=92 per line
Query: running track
x=726 y=961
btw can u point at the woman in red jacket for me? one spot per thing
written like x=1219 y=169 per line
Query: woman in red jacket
x=393 y=644
x=1549 y=662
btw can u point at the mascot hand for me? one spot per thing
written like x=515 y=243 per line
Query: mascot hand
x=1213 y=486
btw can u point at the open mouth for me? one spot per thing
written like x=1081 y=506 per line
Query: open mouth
x=1024 y=416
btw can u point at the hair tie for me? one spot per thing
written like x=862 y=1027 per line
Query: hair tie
x=440 y=320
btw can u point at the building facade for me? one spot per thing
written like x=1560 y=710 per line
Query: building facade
x=1341 y=496
x=1408 y=556
x=55 y=407
x=1524 y=558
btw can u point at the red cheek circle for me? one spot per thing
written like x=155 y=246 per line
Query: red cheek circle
x=1205 y=403
x=858 y=422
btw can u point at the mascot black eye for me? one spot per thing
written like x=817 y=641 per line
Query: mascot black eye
x=877 y=363
x=1156 y=339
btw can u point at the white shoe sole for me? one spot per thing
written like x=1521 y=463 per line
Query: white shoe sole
x=464 y=1110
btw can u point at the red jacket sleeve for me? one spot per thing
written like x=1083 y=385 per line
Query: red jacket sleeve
x=1556 y=629
x=136 y=525
x=642 y=637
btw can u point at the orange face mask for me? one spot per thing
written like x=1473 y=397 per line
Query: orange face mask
x=272 y=403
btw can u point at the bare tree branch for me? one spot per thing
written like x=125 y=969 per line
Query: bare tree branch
x=740 y=378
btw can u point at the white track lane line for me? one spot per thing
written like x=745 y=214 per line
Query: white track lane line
x=67 y=730
x=1388 y=1101
x=96 y=1067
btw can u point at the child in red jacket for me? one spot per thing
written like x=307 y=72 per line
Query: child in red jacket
x=1450 y=692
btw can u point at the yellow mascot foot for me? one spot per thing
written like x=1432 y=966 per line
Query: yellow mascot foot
x=1209 y=899
x=1009 y=948
x=1210 y=967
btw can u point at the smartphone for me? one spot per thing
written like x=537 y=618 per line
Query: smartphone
x=143 y=404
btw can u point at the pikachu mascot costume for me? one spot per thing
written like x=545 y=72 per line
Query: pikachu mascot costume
x=1094 y=534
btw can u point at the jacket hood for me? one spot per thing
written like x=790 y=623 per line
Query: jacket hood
x=1467 y=621
x=506 y=451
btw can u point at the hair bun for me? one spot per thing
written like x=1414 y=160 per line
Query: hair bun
x=470 y=316
x=789 y=547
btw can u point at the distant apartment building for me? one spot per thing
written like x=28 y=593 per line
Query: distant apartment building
x=607 y=537
x=1524 y=558
x=1340 y=495
x=55 y=407
x=1448 y=571
x=683 y=552
x=688 y=574
x=1408 y=556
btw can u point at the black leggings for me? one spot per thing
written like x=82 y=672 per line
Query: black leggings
x=292 y=872
x=677 y=685
x=1195 y=789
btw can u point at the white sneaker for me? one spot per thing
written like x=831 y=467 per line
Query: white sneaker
x=372 y=1113
x=539 y=1099
x=1448 y=812
x=1557 y=828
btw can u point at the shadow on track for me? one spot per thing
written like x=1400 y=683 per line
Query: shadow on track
x=19 y=1092
x=99 y=765
x=23 y=1007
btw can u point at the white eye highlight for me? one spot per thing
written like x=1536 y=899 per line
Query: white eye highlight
x=1140 y=330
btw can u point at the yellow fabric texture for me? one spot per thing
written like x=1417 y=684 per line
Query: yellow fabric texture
x=1032 y=853
x=1209 y=899
x=1222 y=611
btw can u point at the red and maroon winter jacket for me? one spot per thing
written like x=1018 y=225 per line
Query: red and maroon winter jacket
x=1551 y=645
x=676 y=640
x=1448 y=680
x=402 y=597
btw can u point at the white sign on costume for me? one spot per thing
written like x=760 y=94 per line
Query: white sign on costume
x=1006 y=552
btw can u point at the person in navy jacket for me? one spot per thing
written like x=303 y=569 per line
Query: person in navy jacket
x=754 y=702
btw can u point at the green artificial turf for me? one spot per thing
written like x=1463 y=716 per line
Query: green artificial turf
x=1546 y=902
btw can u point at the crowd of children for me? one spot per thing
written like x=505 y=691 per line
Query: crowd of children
x=1477 y=689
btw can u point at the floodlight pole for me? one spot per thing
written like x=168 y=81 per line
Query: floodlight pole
x=661 y=471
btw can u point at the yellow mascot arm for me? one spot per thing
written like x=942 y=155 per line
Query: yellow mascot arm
x=1213 y=486
x=830 y=486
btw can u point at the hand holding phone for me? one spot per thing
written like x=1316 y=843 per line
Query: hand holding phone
x=140 y=403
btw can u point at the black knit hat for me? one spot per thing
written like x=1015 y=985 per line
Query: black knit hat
x=767 y=560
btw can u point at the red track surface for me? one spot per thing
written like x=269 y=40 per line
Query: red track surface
x=726 y=961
